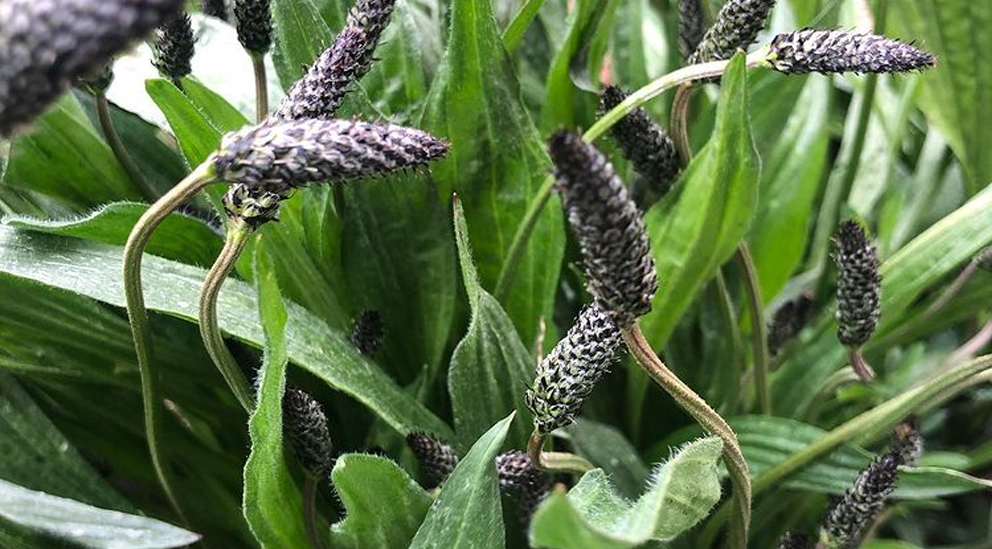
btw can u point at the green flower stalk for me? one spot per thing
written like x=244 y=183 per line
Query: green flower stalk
x=173 y=49
x=306 y=429
x=519 y=477
x=858 y=292
x=789 y=319
x=615 y=249
x=691 y=27
x=908 y=442
x=646 y=145
x=214 y=8
x=437 y=459
x=847 y=520
x=47 y=45
x=793 y=540
x=367 y=332
x=736 y=27
x=569 y=373
x=838 y=51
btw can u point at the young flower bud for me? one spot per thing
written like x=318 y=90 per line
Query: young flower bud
x=214 y=8
x=691 y=27
x=567 y=376
x=47 y=45
x=279 y=157
x=845 y=522
x=908 y=442
x=829 y=51
x=254 y=206
x=253 y=19
x=789 y=319
x=437 y=459
x=736 y=26
x=305 y=426
x=99 y=82
x=367 y=332
x=174 y=47
x=793 y=540
x=615 y=247
x=518 y=476
x=645 y=144
x=858 y=291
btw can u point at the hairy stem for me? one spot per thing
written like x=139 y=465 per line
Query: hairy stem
x=310 y=486
x=759 y=332
x=138 y=316
x=120 y=152
x=555 y=462
x=261 y=87
x=708 y=418
x=238 y=235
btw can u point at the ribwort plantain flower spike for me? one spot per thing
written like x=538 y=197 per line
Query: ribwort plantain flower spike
x=736 y=27
x=615 y=248
x=519 y=477
x=437 y=459
x=837 y=51
x=567 y=376
x=908 y=442
x=279 y=157
x=848 y=518
x=253 y=19
x=858 y=291
x=306 y=427
x=367 y=332
x=645 y=144
x=47 y=45
x=214 y=8
x=794 y=540
x=691 y=27
x=174 y=47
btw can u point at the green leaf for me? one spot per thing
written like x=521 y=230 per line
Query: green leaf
x=957 y=94
x=172 y=288
x=490 y=367
x=497 y=158
x=222 y=114
x=180 y=238
x=681 y=492
x=197 y=136
x=385 y=507
x=700 y=225
x=607 y=448
x=272 y=504
x=65 y=157
x=468 y=513
x=396 y=81
x=300 y=37
x=80 y=525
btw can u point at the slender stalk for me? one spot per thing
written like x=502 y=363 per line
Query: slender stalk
x=238 y=234
x=310 y=511
x=655 y=88
x=708 y=418
x=261 y=87
x=555 y=462
x=521 y=21
x=679 y=124
x=120 y=152
x=138 y=316
x=759 y=331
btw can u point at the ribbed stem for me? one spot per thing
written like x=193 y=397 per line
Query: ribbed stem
x=555 y=462
x=138 y=317
x=708 y=418
x=238 y=234
x=310 y=517
x=120 y=152
x=261 y=87
x=759 y=332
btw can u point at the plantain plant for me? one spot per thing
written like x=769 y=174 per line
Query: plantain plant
x=393 y=274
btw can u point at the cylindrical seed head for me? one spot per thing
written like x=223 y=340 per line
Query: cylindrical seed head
x=789 y=319
x=644 y=143
x=615 y=248
x=214 y=8
x=908 y=442
x=691 y=27
x=736 y=27
x=518 y=476
x=174 y=47
x=569 y=373
x=836 y=51
x=858 y=284
x=254 y=206
x=305 y=425
x=47 y=45
x=253 y=19
x=367 y=332
x=845 y=522
x=437 y=459
x=794 y=540
x=281 y=156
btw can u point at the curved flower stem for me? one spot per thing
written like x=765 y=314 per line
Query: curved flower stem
x=310 y=511
x=120 y=152
x=238 y=234
x=679 y=124
x=759 y=331
x=636 y=99
x=708 y=418
x=261 y=87
x=138 y=316
x=555 y=462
